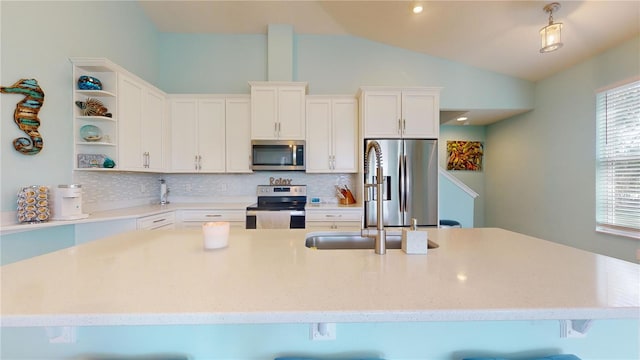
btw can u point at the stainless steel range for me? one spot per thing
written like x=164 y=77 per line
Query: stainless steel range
x=277 y=207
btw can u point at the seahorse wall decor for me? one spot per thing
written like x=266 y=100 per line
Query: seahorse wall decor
x=26 y=114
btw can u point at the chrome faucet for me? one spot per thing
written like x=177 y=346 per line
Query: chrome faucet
x=379 y=234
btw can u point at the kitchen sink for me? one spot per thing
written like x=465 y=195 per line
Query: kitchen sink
x=352 y=240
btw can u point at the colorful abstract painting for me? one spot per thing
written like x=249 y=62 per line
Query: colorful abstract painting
x=464 y=155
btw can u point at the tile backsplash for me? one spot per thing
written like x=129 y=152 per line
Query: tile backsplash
x=110 y=190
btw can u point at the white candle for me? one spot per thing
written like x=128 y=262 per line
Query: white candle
x=216 y=234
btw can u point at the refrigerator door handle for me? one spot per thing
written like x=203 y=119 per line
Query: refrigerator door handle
x=401 y=183
x=405 y=185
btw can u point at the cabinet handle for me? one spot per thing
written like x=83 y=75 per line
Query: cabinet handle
x=400 y=126
x=333 y=216
x=199 y=162
x=213 y=215
x=159 y=220
x=195 y=162
x=404 y=126
x=275 y=129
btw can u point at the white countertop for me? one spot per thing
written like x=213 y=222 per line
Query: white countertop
x=9 y=222
x=333 y=206
x=269 y=276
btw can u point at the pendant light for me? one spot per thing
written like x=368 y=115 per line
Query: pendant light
x=551 y=35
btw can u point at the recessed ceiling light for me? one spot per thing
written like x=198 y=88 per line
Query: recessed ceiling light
x=462 y=118
x=417 y=8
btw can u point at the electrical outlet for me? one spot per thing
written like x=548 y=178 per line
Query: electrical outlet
x=62 y=335
x=222 y=187
x=322 y=331
x=187 y=187
x=143 y=188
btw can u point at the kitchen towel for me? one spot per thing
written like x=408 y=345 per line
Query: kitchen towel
x=273 y=219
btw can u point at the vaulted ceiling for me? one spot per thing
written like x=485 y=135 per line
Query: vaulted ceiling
x=500 y=36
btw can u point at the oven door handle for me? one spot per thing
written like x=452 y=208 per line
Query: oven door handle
x=290 y=212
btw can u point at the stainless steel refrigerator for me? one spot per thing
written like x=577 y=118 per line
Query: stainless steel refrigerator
x=410 y=169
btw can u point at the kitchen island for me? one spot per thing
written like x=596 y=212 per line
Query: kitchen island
x=269 y=276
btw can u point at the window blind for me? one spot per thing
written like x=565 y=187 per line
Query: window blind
x=618 y=160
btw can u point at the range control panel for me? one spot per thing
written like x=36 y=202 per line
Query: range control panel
x=277 y=190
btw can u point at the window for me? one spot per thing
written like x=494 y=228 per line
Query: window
x=618 y=161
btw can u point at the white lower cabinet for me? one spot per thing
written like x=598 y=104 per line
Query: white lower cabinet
x=189 y=219
x=156 y=222
x=349 y=219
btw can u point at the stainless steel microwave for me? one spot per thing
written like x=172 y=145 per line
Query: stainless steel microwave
x=277 y=154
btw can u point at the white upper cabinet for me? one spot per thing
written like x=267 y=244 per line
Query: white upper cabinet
x=400 y=112
x=155 y=125
x=184 y=129
x=210 y=134
x=238 y=135
x=142 y=113
x=130 y=110
x=331 y=134
x=133 y=126
x=278 y=110
x=197 y=134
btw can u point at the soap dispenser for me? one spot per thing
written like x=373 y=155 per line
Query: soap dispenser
x=414 y=241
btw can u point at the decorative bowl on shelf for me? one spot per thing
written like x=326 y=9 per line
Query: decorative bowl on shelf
x=86 y=82
x=90 y=133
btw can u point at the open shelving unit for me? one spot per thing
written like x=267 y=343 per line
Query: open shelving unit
x=90 y=155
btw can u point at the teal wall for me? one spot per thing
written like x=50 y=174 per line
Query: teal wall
x=206 y=63
x=341 y=64
x=455 y=203
x=540 y=168
x=38 y=38
x=606 y=340
x=473 y=179
x=23 y=245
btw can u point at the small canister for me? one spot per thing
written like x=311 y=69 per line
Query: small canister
x=33 y=204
